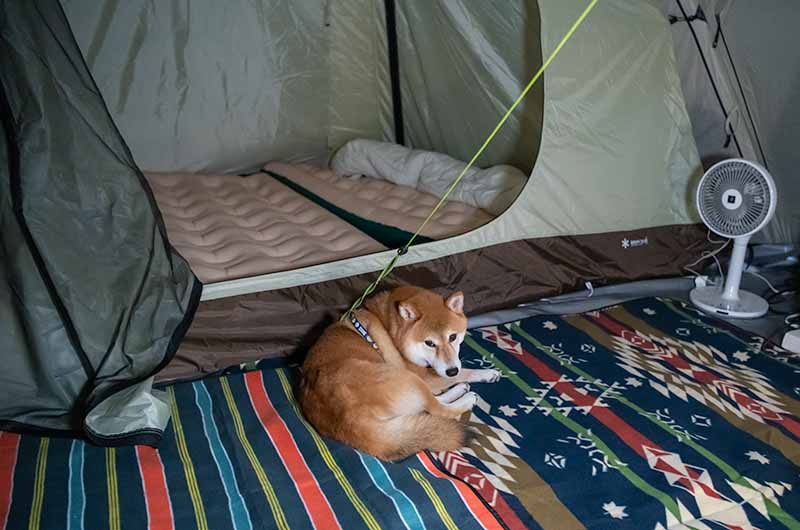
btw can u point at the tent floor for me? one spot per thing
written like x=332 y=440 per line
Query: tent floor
x=771 y=325
x=569 y=437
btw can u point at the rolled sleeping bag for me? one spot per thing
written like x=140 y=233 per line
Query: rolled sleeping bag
x=492 y=189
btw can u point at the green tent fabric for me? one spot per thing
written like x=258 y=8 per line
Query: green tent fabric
x=93 y=299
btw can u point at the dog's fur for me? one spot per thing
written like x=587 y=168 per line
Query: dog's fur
x=400 y=400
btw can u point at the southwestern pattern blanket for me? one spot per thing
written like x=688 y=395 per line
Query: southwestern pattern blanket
x=638 y=416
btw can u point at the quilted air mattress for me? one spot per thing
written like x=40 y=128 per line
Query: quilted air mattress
x=383 y=202
x=230 y=227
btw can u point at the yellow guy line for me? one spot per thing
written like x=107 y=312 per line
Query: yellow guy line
x=386 y=270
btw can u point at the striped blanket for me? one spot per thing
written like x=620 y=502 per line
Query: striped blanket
x=646 y=415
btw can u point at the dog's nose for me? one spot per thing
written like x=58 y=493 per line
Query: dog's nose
x=451 y=372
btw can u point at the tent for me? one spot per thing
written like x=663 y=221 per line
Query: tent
x=739 y=68
x=97 y=295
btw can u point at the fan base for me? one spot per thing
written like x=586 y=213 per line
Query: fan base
x=709 y=299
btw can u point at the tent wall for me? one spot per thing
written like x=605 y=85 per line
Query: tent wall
x=462 y=64
x=754 y=66
x=93 y=300
x=208 y=86
x=360 y=97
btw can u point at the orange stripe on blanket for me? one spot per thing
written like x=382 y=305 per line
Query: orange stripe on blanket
x=154 y=483
x=317 y=506
x=9 y=446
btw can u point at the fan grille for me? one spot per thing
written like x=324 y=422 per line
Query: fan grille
x=734 y=198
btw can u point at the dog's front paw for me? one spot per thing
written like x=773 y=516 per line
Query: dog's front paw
x=468 y=400
x=452 y=394
x=489 y=376
x=461 y=405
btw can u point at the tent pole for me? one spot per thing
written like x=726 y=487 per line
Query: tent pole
x=394 y=72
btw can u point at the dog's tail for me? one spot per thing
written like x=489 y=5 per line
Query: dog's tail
x=408 y=435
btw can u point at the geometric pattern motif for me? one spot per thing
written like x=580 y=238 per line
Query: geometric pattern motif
x=612 y=419
x=712 y=505
x=496 y=447
x=694 y=370
x=691 y=370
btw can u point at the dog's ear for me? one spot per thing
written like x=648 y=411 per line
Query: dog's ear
x=456 y=302
x=407 y=311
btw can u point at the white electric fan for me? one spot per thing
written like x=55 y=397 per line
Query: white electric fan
x=736 y=198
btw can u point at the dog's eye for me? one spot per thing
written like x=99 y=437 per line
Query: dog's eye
x=453 y=337
x=430 y=344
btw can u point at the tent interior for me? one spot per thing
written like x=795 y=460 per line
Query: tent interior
x=299 y=83
x=194 y=187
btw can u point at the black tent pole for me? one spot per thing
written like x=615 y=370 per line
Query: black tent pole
x=394 y=72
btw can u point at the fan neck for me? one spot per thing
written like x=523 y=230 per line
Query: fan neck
x=731 y=290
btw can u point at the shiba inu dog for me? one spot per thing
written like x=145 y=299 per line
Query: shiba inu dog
x=406 y=392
